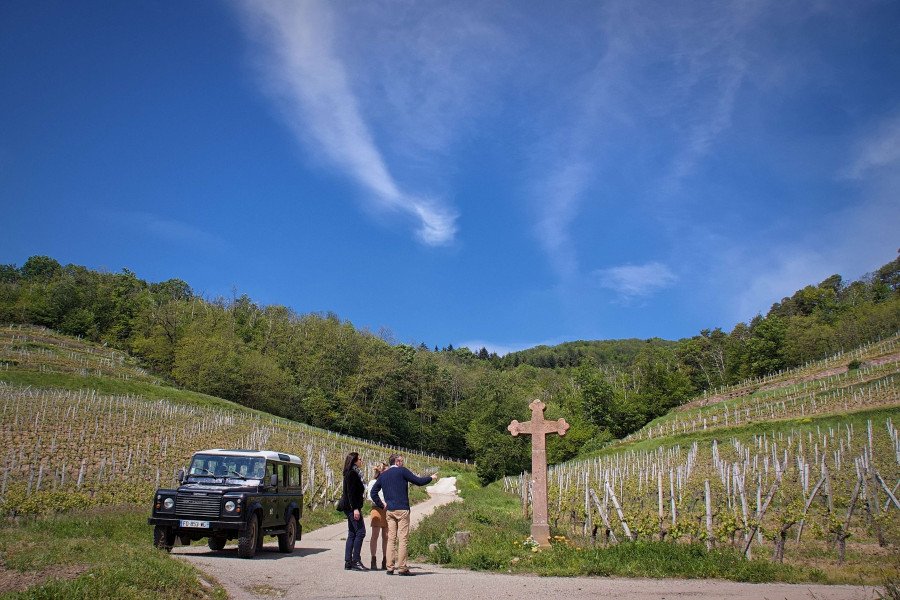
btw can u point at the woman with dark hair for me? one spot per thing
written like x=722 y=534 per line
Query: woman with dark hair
x=356 y=525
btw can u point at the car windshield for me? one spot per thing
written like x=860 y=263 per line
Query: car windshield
x=219 y=465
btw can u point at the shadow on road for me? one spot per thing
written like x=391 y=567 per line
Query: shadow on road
x=264 y=554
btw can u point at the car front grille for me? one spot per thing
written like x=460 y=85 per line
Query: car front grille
x=208 y=507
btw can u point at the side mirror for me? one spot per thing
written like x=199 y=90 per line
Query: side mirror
x=273 y=480
x=180 y=476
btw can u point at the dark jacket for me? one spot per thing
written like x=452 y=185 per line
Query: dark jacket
x=353 y=490
x=395 y=484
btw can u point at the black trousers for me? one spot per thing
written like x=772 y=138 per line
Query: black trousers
x=356 y=533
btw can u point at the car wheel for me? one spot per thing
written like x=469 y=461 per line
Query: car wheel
x=287 y=539
x=249 y=538
x=216 y=543
x=163 y=537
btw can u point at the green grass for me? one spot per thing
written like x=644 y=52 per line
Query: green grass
x=662 y=559
x=498 y=543
x=101 y=554
x=322 y=516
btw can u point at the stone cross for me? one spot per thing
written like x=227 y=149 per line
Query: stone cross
x=538 y=428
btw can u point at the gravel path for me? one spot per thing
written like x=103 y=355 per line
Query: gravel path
x=316 y=570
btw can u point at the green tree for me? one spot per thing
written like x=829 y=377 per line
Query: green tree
x=597 y=395
x=662 y=381
x=9 y=274
x=40 y=268
x=765 y=348
x=206 y=360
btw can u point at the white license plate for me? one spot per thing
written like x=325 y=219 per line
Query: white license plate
x=196 y=524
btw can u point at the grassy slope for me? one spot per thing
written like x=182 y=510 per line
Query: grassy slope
x=101 y=552
x=805 y=381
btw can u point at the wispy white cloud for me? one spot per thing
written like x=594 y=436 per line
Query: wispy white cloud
x=876 y=150
x=312 y=86
x=849 y=243
x=558 y=207
x=632 y=281
x=774 y=275
x=169 y=230
x=432 y=71
x=675 y=71
x=710 y=69
x=179 y=231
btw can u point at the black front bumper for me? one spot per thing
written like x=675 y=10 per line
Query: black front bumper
x=220 y=525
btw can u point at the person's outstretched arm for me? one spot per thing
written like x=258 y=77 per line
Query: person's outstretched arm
x=413 y=478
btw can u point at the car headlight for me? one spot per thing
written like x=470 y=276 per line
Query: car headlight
x=229 y=506
x=168 y=503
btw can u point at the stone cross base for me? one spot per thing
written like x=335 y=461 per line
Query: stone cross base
x=541 y=534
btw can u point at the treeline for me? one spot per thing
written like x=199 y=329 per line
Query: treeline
x=319 y=369
x=611 y=353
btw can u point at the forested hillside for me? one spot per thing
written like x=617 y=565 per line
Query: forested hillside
x=320 y=369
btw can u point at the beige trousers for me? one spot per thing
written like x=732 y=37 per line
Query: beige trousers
x=398 y=534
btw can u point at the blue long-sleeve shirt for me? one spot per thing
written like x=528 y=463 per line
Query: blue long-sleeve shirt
x=395 y=484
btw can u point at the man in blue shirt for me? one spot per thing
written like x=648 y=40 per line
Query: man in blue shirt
x=394 y=482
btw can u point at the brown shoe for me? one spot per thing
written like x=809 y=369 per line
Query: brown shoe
x=404 y=572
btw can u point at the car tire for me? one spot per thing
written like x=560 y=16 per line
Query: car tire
x=216 y=543
x=249 y=539
x=287 y=539
x=163 y=537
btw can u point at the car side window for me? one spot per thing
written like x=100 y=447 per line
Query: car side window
x=270 y=470
x=258 y=469
x=294 y=480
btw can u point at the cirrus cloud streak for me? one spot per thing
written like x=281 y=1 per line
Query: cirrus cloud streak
x=311 y=85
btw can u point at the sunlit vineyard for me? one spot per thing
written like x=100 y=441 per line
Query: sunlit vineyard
x=41 y=350
x=801 y=393
x=808 y=465
x=73 y=448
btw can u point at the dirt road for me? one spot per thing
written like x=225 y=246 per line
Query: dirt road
x=316 y=570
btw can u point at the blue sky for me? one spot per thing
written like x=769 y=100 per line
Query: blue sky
x=470 y=173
